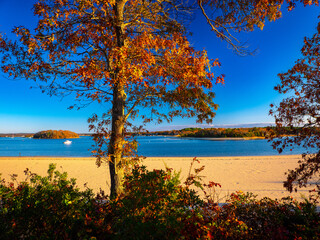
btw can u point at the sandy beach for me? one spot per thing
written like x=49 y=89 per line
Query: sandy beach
x=262 y=175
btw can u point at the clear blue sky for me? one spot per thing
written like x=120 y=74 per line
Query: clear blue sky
x=244 y=99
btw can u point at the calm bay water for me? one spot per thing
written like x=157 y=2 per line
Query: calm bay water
x=151 y=146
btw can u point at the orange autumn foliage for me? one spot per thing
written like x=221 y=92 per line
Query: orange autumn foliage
x=299 y=113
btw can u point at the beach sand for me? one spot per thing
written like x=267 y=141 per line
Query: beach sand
x=262 y=175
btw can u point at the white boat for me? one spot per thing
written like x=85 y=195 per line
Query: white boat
x=67 y=142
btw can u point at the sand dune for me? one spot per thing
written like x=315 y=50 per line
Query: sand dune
x=262 y=175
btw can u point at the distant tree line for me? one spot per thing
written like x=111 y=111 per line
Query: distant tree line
x=16 y=135
x=261 y=132
x=217 y=132
x=225 y=132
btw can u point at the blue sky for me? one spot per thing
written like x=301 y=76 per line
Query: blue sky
x=243 y=99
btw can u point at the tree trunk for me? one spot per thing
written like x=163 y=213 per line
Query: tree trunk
x=118 y=118
x=117 y=141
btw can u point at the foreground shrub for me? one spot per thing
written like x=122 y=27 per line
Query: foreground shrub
x=273 y=219
x=157 y=206
x=50 y=207
x=154 y=205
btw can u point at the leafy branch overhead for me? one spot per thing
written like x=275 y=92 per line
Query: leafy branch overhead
x=299 y=114
x=74 y=49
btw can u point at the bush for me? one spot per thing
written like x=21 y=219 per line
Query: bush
x=154 y=205
x=50 y=207
x=273 y=219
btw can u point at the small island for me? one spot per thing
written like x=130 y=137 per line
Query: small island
x=55 y=134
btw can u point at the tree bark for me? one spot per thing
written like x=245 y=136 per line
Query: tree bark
x=116 y=143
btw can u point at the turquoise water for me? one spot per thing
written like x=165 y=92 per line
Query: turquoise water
x=151 y=146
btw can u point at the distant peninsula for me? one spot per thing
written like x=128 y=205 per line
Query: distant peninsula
x=249 y=133
x=218 y=133
x=55 y=134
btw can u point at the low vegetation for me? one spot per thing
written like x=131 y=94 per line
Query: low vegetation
x=154 y=205
x=55 y=134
